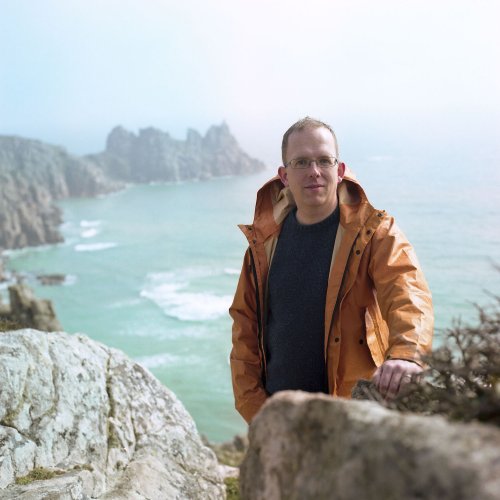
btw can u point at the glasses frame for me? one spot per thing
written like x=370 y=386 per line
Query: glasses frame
x=309 y=161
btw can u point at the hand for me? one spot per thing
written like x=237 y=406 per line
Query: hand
x=392 y=375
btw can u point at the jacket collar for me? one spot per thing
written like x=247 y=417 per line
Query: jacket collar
x=274 y=202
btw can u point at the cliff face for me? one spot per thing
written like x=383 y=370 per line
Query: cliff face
x=33 y=174
x=155 y=156
x=101 y=422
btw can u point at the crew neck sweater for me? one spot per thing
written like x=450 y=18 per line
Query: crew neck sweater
x=298 y=280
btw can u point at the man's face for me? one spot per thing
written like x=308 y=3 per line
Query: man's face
x=314 y=188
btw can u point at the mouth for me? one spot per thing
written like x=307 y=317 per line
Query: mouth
x=314 y=186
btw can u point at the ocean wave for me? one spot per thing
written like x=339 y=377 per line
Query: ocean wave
x=16 y=252
x=170 y=292
x=184 y=275
x=89 y=233
x=162 y=332
x=166 y=359
x=231 y=271
x=70 y=280
x=90 y=223
x=93 y=247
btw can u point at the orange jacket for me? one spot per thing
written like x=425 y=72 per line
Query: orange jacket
x=378 y=304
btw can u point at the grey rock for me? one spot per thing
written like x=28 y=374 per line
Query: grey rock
x=51 y=279
x=3 y=276
x=305 y=446
x=67 y=487
x=33 y=175
x=154 y=156
x=70 y=403
x=28 y=311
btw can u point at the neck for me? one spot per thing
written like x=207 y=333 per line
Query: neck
x=313 y=215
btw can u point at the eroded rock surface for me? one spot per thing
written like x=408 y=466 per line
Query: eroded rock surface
x=305 y=446
x=28 y=311
x=153 y=155
x=70 y=403
x=32 y=176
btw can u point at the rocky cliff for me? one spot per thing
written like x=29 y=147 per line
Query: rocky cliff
x=34 y=175
x=93 y=424
x=324 y=448
x=154 y=155
x=27 y=311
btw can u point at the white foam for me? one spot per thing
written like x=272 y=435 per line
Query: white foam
x=89 y=233
x=69 y=280
x=166 y=359
x=183 y=275
x=90 y=223
x=196 y=331
x=15 y=252
x=169 y=292
x=93 y=247
x=231 y=271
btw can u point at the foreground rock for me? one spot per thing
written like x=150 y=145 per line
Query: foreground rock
x=305 y=446
x=115 y=432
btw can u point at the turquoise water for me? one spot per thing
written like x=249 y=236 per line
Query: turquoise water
x=151 y=270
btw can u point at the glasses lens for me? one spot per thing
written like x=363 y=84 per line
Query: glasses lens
x=322 y=162
x=326 y=162
x=300 y=163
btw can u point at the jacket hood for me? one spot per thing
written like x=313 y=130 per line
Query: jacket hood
x=274 y=202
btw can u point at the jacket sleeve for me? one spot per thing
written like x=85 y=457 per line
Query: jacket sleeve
x=246 y=366
x=403 y=295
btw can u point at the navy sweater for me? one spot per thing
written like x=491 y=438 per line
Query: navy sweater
x=298 y=280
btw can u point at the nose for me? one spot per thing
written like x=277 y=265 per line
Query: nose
x=315 y=170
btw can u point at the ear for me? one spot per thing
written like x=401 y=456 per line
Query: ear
x=282 y=172
x=341 y=171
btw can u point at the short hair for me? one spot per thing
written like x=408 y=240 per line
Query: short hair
x=302 y=124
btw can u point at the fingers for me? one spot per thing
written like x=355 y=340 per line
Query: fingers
x=393 y=375
x=388 y=382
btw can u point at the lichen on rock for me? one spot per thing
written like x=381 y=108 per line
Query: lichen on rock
x=62 y=398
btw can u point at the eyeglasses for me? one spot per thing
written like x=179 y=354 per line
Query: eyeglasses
x=321 y=162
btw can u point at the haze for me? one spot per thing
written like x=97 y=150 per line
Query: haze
x=379 y=72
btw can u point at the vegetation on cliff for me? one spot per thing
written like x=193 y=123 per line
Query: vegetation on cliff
x=462 y=380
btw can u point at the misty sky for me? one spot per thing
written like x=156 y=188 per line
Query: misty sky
x=70 y=70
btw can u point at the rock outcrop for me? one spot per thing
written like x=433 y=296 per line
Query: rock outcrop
x=305 y=446
x=28 y=311
x=109 y=428
x=154 y=156
x=34 y=175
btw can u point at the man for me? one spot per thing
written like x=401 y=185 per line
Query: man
x=330 y=290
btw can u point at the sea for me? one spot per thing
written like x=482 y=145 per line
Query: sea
x=152 y=269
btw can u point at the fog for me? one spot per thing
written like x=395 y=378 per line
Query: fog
x=387 y=75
